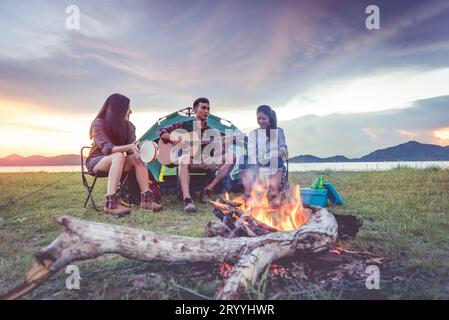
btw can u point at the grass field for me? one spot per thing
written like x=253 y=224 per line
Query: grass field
x=406 y=222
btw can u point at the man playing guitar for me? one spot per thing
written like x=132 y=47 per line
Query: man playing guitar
x=201 y=109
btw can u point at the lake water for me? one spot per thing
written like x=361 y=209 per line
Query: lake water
x=293 y=167
x=364 y=166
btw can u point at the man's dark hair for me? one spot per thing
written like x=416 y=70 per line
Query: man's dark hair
x=199 y=100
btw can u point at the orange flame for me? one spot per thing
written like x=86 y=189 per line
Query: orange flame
x=288 y=215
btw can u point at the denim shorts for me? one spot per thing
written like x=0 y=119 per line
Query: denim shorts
x=92 y=162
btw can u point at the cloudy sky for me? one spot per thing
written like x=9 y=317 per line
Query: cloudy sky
x=338 y=88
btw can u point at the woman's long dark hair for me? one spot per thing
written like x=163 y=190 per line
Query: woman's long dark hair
x=113 y=114
x=271 y=114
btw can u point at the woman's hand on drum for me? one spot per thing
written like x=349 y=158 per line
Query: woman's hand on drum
x=134 y=149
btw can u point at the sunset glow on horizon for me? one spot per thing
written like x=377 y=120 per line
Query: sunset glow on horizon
x=48 y=134
x=443 y=136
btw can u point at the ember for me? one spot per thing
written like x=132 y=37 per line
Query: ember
x=336 y=251
x=226 y=269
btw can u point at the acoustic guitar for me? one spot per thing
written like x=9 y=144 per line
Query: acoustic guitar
x=170 y=152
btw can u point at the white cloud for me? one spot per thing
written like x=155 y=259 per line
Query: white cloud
x=358 y=134
x=378 y=92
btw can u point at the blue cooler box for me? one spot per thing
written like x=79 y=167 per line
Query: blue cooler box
x=315 y=197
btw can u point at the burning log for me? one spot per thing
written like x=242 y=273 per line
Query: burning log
x=83 y=240
x=229 y=202
x=348 y=227
x=238 y=222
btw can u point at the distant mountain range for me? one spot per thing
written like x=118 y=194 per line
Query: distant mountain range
x=410 y=151
x=62 y=160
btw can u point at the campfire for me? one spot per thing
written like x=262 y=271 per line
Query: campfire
x=257 y=215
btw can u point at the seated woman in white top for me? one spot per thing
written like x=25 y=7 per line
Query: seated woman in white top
x=266 y=150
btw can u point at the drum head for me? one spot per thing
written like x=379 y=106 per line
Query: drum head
x=148 y=151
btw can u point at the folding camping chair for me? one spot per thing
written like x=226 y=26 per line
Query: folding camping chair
x=90 y=187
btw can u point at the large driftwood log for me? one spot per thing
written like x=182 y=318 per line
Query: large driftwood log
x=82 y=240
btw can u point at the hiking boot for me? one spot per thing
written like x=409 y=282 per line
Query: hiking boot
x=148 y=202
x=207 y=196
x=112 y=206
x=189 y=206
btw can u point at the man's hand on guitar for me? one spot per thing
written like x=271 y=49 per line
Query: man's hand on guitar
x=175 y=139
x=171 y=138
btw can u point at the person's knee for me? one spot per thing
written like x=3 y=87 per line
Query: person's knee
x=118 y=157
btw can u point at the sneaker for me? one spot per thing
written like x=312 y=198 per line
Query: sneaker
x=207 y=196
x=148 y=202
x=188 y=205
x=112 y=206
